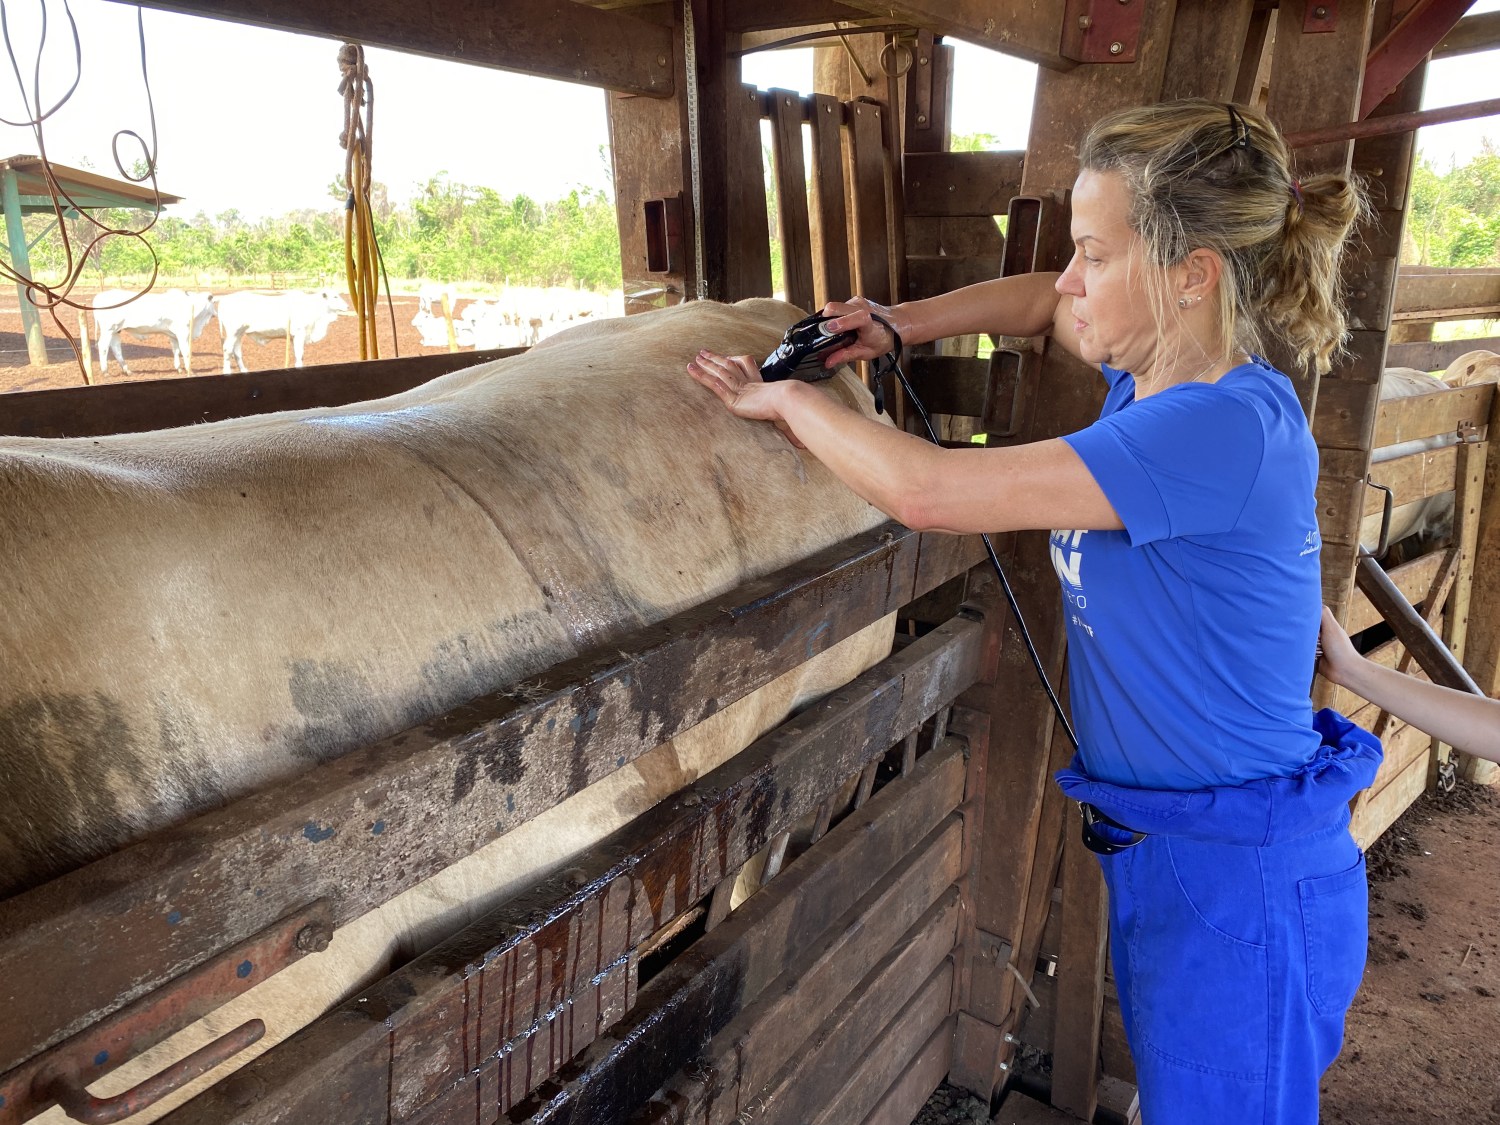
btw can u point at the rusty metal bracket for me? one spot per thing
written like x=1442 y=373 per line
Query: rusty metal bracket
x=1320 y=17
x=59 y=1074
x=68 y=1091
x=1102 y=31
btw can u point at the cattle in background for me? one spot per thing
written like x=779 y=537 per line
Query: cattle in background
x=1417 y=528
x=174 y=313
x=263 y=317
x=430 y=299
x=198 y=613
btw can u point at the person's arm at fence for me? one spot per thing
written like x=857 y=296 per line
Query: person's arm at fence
x=1468 y=722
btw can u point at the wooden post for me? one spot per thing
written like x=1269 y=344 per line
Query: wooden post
x=83 y=348
x=20 y=261
x=287 y=355
x=1468 y=504
x=1482 y=647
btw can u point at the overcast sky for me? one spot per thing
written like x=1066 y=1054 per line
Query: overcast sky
x=249 y=119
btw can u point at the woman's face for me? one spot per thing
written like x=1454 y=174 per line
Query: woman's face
x=1112 y=310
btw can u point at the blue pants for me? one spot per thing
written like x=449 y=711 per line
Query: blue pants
x=1238 y=934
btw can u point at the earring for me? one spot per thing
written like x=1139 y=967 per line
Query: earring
x=1182 y=302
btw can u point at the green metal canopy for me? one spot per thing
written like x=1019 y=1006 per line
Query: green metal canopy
x=24 y=191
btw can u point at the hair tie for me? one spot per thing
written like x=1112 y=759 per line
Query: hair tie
x=1296 y=186
x=1239 y=129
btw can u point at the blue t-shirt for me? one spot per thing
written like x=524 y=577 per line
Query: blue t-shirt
x=1191 y=634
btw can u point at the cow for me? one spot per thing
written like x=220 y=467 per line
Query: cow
x=1419 y=526
x=434 y=331
x=305 y=317
x=201 y=612
x=174 y=313
x=430 y=298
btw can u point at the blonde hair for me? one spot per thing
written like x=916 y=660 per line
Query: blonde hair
x=1217 y=176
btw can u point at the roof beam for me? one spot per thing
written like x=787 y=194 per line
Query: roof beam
x=1470 y=34
x=549 y=38
x=1022 y=28
x=1405 y=45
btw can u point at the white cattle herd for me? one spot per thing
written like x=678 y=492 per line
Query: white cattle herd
x=517 y=317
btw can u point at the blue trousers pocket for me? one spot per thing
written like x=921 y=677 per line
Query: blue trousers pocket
x=1335 y=925
x=1199 y=979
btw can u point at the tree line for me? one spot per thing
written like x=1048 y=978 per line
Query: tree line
x=448 y=231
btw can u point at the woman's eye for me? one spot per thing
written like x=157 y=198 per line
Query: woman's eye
x=1091 y=261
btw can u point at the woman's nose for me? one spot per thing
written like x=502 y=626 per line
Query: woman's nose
x=1069 y=282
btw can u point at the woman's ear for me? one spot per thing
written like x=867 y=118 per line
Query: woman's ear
x=1198 y=275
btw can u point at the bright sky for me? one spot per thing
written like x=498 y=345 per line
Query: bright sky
x=249 y=119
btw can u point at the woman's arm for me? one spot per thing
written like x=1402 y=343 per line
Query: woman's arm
x=1026 y=304
x=1469 y=722
x=1041 y=485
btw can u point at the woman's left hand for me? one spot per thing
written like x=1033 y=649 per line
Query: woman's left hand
x=736 y=380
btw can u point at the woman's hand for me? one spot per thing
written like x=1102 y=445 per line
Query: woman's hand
x=736 y=380
x=1340 y=661
x=858 y=315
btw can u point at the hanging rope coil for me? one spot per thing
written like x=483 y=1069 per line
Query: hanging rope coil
x=363 y=263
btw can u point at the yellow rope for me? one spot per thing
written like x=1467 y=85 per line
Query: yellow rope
x=361 y=252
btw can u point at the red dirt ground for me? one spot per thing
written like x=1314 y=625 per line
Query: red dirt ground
x=153 y=358
x=1424 y=1034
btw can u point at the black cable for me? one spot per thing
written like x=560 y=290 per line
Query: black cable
x=989 y=548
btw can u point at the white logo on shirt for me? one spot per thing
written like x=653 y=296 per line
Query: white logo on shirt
x=1310 y=544
x=1067 y=558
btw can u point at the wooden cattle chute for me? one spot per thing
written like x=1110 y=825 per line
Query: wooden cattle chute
x=909 y=933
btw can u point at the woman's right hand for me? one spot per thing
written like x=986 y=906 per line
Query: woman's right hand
x=1339 y=659
x=857 y=315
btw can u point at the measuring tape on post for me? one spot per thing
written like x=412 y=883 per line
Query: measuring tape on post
x=695 y=155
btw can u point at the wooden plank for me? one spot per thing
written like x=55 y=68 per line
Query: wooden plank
x=665 y=860
x=1403 y=744
x=941 y=275
x=649 y=150
x=1468 y=501
x=787 y=114
x=951 y=384
x=552 y=38
x=1376 y=815
x=746 y=267
x=867 y=171
x=1472 y=33
x=799 y=1090
x=697 y=994
x=1310 y=86
x=1423 y=294
x=1412 y=477
x=232 y=872
x=909 y=1036
x=1018 y=1109
x=887 y=930
x=1413 y=579
x=1408 y=419
x=1405 y=47
x=904 y=1099
x=778 y=16
x=962 y=183
x=1209 y=38
x=833 y=275
x=1027 y=30
x=157 y=404
x=1429 y=356
x=1482 y=647
x=1080 y=992
x=929 y=97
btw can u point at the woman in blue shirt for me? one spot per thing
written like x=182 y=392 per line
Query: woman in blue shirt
x=1190 y=571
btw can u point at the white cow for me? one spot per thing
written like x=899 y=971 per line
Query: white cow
x=1417 y=528
x=305 y=317
x=430 y=299
x=174 y=313
x=201 y=612
x=434 y=331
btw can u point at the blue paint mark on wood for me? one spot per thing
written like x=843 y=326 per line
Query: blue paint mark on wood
x=316 y=833
x=377 y=828
x=244 y=969
x=510 y=802
x=814 y=637
x=174 y=917
x=101 y=1058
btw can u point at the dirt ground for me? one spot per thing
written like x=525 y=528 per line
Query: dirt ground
x=1423 y=1039
x=152 y=359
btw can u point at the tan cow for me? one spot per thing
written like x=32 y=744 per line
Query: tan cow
x=196 y=613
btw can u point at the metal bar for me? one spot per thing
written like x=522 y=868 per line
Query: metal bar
x=1411 y=629
x=20 y=262
x=1405 y=46
x=1394 y=123
x=81 y=1105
